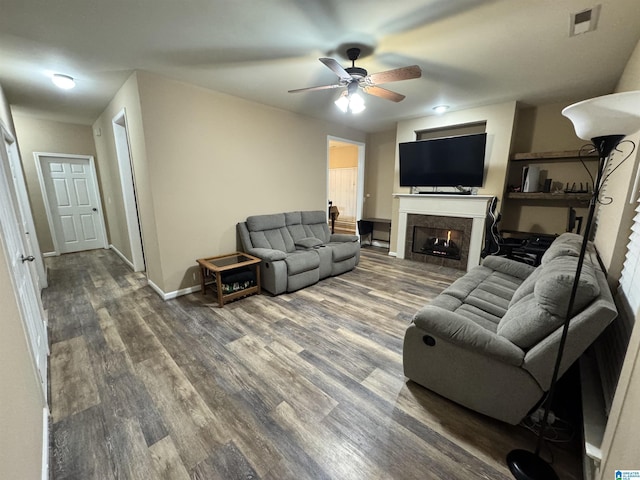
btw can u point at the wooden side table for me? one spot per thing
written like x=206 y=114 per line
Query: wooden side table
x=215 y=266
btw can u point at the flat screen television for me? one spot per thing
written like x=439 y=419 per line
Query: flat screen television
x=443 y=162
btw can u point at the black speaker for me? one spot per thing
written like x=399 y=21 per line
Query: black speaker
x=547 y=186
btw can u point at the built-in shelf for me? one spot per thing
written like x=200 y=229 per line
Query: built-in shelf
x=563 y=197
x=558 y=156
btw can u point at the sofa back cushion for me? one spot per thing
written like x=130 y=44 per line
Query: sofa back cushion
x=270 y=231
x=295 y=227
x=315 y=225
x=535 y=315
x=567 y=244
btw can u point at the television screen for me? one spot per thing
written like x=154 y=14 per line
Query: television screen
x=443 y=162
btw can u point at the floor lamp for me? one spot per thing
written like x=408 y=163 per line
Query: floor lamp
x=605 y=121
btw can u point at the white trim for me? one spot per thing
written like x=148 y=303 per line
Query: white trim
x=175 y=293
x=45 y=443
x=45 y=197
x=51 y=254
x=127 y=184
x=122 y=257
x=461 y=206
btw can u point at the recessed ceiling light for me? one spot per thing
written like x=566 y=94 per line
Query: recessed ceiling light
x=64 y=82
x=440 y=108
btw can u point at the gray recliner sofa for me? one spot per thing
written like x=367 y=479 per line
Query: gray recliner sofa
x=489 y=341
x=297 y=249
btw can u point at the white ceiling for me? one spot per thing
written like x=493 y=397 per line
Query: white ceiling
x=472 y=52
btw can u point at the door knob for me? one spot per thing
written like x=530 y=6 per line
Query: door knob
x=94 y=209
x=30 y=258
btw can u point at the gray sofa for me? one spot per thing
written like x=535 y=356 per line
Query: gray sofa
x=489 y=341
x=297 y=249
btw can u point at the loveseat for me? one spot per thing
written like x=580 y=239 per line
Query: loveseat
x=297 y=249
x=489 y=341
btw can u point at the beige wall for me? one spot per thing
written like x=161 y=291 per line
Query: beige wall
x=378 y=175
x=128 y=100
x=544 y=129
x=204 y=161
x=36 y=135
x=343 y=156
x=20 y=404
x=621 y=449
x=499 y=127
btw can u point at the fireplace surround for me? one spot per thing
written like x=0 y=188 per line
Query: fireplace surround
x=465 y=213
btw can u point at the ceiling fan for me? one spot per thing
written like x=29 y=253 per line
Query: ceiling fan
x=353 y=77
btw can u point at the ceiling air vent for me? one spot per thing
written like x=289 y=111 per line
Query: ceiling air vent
x=584 y=21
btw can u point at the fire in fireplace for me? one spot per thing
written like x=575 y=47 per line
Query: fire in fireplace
x=437 y=242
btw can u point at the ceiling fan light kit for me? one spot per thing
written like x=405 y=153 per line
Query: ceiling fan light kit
x=352 y=78
x=350 y=100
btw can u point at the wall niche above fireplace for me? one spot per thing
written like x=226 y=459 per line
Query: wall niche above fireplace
x=439 y=240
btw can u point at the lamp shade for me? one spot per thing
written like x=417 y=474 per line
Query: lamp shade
x=615 y=114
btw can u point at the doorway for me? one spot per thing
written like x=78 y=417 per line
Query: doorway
x=345 y=182
x=127 y=182
x=72 y=201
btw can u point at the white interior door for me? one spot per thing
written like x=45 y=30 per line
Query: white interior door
x=24 y=212
x=16 y=249
x=70 y=190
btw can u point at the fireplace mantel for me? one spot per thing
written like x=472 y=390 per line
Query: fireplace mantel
x=462 y=206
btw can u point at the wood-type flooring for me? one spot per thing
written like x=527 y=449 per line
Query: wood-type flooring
x=307 y=385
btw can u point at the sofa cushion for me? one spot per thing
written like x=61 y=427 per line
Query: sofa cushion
x=342 y=251
x=315 y=225
x=526 y=287
x=293 y=221
x=302 y=261
x=256 y=223
x=526 y=323
x=567 y=244
x=538 y=313
x=553 y=288
x=277 y=239
x=308 y=242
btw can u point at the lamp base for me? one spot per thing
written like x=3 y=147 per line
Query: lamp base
x=526 y=465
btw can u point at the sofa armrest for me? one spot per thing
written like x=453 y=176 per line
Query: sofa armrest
x=343 y=237
x=508 y=266
x=267 y=254
x=457 y=329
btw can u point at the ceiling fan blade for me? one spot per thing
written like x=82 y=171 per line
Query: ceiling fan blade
x=321 y=87
x=403 y=73
x=337 y=69
x=383 y=93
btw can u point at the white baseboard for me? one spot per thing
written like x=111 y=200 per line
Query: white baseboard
x=393 y=254
x=175 y=293
x=121 y=255
x=50 y=254
x=45 y=443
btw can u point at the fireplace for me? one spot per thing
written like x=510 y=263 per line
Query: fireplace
x=466 y=213
x=438 y=242
x=441 y=240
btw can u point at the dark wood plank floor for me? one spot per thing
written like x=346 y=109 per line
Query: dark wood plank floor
x=306 y=385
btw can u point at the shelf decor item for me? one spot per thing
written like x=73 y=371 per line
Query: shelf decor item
x=605 y=121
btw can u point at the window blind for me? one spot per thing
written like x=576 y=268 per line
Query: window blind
x=630 y=277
